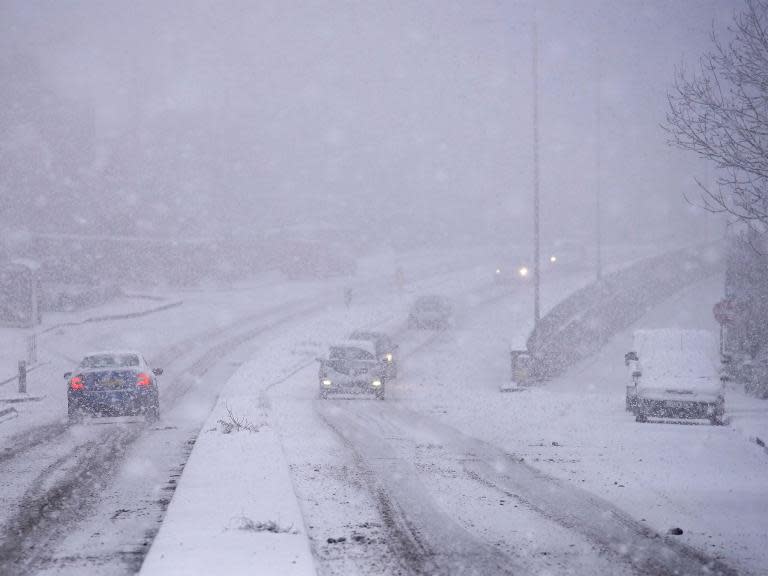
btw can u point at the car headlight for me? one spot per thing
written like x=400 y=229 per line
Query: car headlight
x=389 y=357
x=327 y=382
x=376 y=383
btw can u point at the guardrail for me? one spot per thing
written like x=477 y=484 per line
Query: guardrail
x=31 y=363
x=582 y=323
x=123 y=316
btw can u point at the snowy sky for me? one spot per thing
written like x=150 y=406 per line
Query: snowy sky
x=391 y=118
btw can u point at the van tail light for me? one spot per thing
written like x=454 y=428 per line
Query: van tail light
x=143 y=380
x=77 y=383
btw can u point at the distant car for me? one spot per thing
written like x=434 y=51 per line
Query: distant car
x=386 y=350
x=675 y=374
x=510 y=276
x=432 y=311
x=352 y=367
x=113 y=384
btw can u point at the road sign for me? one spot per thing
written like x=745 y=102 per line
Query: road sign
x=724 y=311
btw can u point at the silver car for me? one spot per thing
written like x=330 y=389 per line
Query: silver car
x=352 y=367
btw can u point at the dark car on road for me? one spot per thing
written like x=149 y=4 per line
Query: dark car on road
x=386 y=350
x=113 y=384
x=432 y=312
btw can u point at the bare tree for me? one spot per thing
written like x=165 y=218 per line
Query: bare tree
x=720 y=112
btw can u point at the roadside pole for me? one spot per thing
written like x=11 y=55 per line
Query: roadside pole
x=32 y=349
x=22 y=376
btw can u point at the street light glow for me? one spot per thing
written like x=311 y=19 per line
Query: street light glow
x=553 y=259
x=523 y=271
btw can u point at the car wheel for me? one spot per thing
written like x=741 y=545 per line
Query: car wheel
x=323 y=395
x=152 y=413
x=380 y=394
x=74 y=415
x=640 y=416
x=716 y=420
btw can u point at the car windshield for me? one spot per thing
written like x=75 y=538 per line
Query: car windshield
x=349 y=353
x=677 y=355
x=110 y=361
x=370 y=336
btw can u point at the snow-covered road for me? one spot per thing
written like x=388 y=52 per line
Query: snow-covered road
x=447 y=476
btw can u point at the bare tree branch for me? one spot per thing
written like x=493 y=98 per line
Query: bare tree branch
x=720 y=113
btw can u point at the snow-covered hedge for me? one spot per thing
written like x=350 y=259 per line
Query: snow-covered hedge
x=582 y=323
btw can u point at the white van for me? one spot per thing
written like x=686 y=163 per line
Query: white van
x=675 y=374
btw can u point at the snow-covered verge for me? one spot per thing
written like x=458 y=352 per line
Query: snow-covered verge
x=234 y=510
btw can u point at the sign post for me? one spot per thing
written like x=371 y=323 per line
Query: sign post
x=724 y=312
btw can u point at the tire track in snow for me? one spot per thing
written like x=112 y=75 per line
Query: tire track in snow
x=408 y=543
x=608 y=527
x=426 y=539
x=31 y=439
x=50 y=504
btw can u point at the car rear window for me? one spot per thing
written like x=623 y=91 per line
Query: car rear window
x=110 y=361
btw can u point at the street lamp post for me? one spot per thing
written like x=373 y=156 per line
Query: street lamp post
x=536 y=219
x=598 y=173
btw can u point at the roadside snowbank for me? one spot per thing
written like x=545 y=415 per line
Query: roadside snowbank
x=234 y=511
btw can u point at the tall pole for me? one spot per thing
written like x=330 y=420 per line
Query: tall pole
x=536 y=228
x=598 y=174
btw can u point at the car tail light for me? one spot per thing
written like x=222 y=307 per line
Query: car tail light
x=143 y=380
x=77 y=383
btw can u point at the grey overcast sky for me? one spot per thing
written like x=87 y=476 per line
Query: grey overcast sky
x=410 y=118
